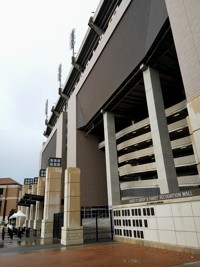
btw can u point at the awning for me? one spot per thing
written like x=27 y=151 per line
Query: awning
x=30 y=199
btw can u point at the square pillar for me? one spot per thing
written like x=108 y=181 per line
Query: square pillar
x=52 y=200
x=165 y=166
x=32 y=208
x=20 y=222
x=39 y=205
x=72 y=231
x=113 y=187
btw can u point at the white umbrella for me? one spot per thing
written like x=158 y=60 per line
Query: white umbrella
x=12 y=216
x=17 y=215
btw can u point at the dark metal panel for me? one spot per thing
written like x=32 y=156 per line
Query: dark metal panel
x=50 y=151
x=125 y=50
x=157 y=16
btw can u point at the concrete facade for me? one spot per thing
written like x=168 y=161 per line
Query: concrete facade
x=129 y=119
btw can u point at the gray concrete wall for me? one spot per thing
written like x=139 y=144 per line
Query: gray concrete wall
x=134 y=35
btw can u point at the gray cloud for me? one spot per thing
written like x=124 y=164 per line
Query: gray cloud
x=34 y=41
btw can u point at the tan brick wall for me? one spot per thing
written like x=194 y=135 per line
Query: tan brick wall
x=185 y=23
x=11 y=194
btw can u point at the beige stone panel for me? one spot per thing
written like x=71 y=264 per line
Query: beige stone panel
x=38 y=210
x=25 y=189
x=151 y=235
x=20 y=194
x=189 y=124
x=37 y=224
x=51 y=210
x=198 y=168
x=54 y=185
x=73 y=203
x=30 y=224
x=74 y=219
x=197 y=223
x=53 y=198
x=187 y=239
x=196 y=208
x=165 y=223
x=196 y=141
x=34 y=189
x=41 y=186
x=194 y=145
x=194 y=113
x=182 y=210
x=168 y=237
x=47 y=229
x=184 y=224
x=73 y=190
x=72 y=236
x=73 y=175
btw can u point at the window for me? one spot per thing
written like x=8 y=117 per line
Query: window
x=55 y=162
x=42 y=173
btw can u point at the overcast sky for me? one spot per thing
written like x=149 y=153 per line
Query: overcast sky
x=34 y=41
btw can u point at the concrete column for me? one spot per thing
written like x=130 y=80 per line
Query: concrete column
x=18 y=219
x=161 y=142
x=25 y=210
x=28 y=211
x=113 y=187
x=52 y=200
x=39 y=206
x=22 y=219
x=27 y=216
x=72 y=231
x=32 y=208
x=185 y=23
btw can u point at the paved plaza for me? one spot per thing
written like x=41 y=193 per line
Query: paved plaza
x=31 y=253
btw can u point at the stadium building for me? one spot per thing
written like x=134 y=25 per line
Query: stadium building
x=126 y=127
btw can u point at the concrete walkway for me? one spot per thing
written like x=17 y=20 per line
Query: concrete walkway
x=31 y=253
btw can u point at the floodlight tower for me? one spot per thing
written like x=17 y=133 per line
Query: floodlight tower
x=72 y=47
x=46 y=111
x=72 y=41
x=60 y=75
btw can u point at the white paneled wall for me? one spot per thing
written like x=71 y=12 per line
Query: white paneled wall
x=176 y=223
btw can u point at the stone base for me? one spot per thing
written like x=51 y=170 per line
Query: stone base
x=72 y=236
x=30 y=224
x=26 y=223
x=47 y=229
x=37 y=226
